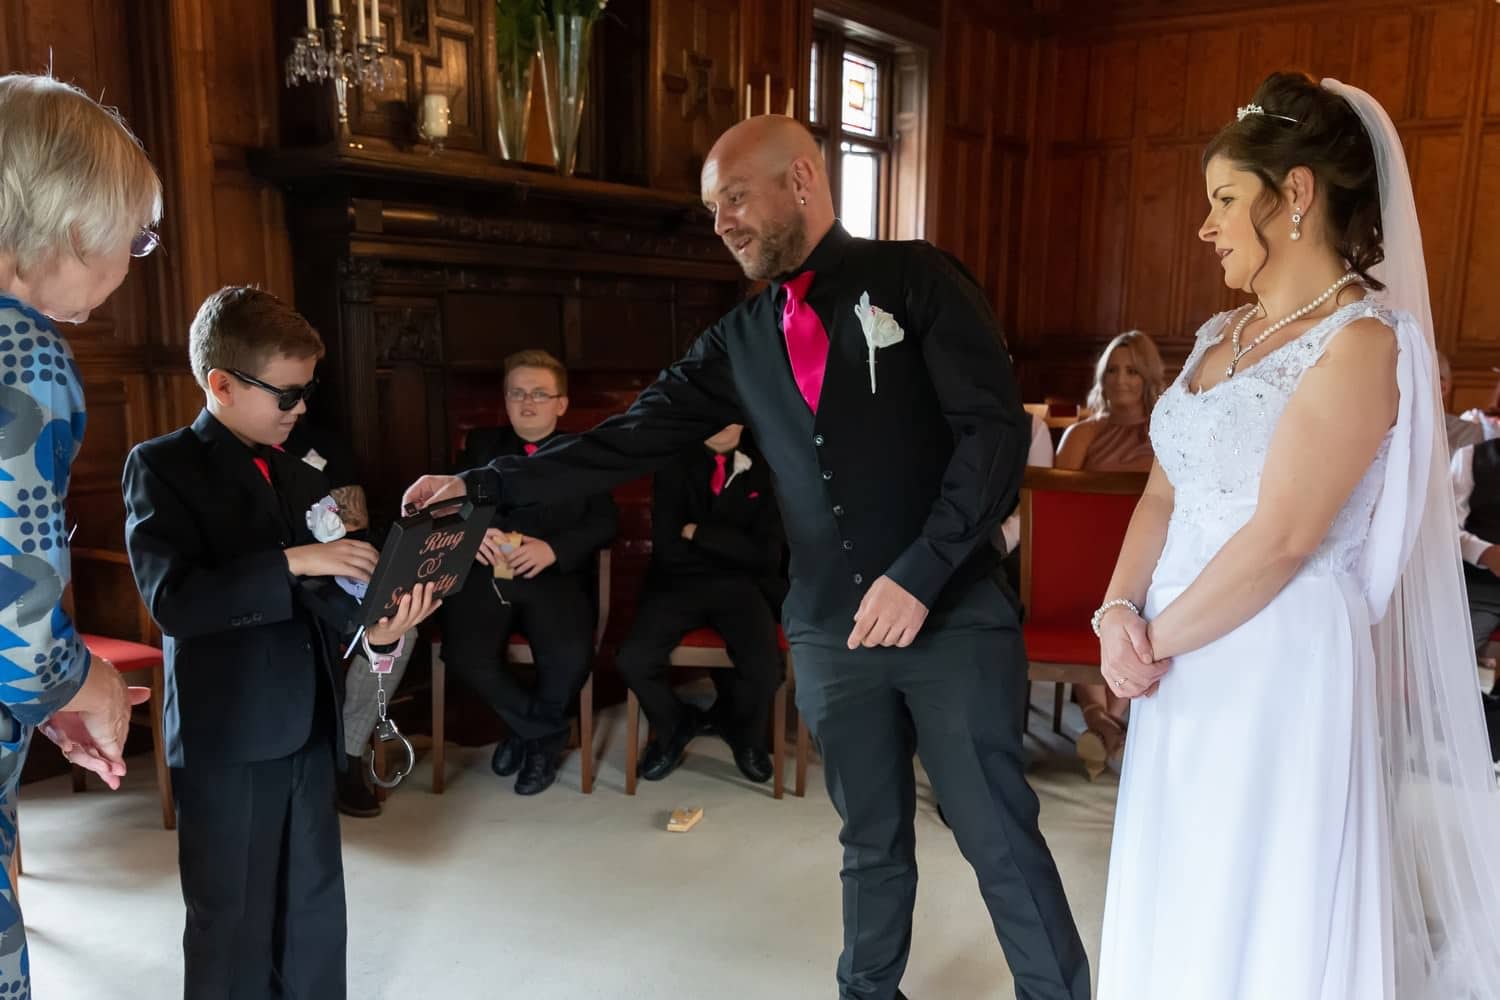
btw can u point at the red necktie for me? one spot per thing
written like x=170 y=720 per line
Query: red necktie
x=716 y=481
x=806 y=340
x=264 y=466
x=530 y=449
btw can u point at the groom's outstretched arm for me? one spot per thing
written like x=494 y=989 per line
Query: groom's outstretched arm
x=689 y=402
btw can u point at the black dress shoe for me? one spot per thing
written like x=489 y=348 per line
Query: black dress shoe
x=355 y=796
x=754 y=763
x=539 y=770
x=509 y=753
x=662 y=758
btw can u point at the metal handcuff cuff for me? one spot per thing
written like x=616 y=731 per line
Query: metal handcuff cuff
x=385 y=729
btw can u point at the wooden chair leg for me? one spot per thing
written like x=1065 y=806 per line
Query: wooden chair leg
x=778 y=742
x=632 y=740
x=439 y=704
x=159 y=748
x=586 y=734
x=1057 y=707
x=804 y=750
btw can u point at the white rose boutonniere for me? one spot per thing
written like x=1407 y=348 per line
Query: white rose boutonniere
x=324 y=522
x=880 y=328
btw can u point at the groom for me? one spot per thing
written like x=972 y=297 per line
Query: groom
x=892 y=472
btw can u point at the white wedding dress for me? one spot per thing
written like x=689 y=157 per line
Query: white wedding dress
x=1249 y=859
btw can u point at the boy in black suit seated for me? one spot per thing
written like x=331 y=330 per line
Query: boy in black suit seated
x=218 y=533
x=538 y=579
x=715 y=562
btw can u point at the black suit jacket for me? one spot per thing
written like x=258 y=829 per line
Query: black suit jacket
x=576 y=526
x=738 y=532
x=245 y=652
x=908 y=480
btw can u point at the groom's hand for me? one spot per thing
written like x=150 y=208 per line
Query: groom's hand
x=1126 y=658
x=888 y=616
x=430 y=490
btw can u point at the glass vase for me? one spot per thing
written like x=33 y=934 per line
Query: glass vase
x=563 y=47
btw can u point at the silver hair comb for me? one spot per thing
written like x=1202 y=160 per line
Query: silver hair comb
x=1256 y=109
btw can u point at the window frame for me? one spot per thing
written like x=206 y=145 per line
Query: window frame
x=831 y=41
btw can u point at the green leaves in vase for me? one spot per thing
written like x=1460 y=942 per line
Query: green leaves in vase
x=515 y=25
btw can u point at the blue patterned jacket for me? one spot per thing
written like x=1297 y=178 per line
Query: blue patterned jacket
x=43 y=661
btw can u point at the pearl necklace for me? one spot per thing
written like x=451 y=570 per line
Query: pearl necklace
x=1236 y=355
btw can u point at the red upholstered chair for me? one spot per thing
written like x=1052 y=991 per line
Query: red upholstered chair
x=1072 y=527
x=704 y=648
x=139 y=658
x=519 y=651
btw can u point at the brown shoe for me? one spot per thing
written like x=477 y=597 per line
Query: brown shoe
x=1101 y=743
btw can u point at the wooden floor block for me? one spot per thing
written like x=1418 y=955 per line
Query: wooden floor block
x=684 y=820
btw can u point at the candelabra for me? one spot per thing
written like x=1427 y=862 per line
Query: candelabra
x=308 y=61
x=313 y=61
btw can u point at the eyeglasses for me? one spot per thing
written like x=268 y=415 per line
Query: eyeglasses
x=144 y=242
x=286 y=399
x=535 y=395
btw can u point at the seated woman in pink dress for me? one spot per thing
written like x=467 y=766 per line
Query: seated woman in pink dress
x=1116 y=438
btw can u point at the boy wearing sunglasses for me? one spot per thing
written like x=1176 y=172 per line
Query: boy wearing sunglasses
x=223 y=552
x=538 y=580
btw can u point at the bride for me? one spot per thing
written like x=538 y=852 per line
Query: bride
x=1307 y=809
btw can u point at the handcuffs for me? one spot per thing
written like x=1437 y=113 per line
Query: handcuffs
x=385 y=729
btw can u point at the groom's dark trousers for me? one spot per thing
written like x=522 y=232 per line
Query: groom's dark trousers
x=951 y=692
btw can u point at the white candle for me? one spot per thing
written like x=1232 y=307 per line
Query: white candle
x=375 y=19
x=333 y=8
x=749 y=100
x=435 y=116
x=791 y=99
x=359 y=20
x=768 y=89
x=312 y=16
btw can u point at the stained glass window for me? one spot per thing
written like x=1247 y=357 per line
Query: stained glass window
x=861 y=110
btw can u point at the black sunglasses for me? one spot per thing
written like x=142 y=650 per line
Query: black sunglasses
x=286 y=399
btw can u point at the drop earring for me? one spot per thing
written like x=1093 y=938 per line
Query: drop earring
x=1296 y=223
x=803 y=200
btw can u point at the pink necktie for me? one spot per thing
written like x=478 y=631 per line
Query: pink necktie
x=530 y=449
x=716 y=481
x=806 y=340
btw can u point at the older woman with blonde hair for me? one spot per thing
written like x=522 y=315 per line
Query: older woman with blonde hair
x=78 y=198
x=1116 y=438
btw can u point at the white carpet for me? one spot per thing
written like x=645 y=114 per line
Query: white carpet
x=480 y=894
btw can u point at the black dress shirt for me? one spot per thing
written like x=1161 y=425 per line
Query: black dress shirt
x=907 y=481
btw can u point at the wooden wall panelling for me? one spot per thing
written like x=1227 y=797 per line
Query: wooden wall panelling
x=981 y=94
x=1425 y=62
x=777 y=40
x=694 y=93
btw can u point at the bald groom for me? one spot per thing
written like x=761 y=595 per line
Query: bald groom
x=875 y=379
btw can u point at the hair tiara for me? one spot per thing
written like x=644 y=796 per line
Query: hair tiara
x=1255 y=109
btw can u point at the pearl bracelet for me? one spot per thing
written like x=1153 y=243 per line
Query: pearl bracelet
x=1107 y=606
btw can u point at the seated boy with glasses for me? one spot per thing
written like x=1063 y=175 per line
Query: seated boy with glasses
x=540 y=584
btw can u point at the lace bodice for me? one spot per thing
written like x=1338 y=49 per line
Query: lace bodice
x=1213 y=444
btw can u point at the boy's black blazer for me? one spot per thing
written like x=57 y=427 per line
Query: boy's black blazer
x=245 y=658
